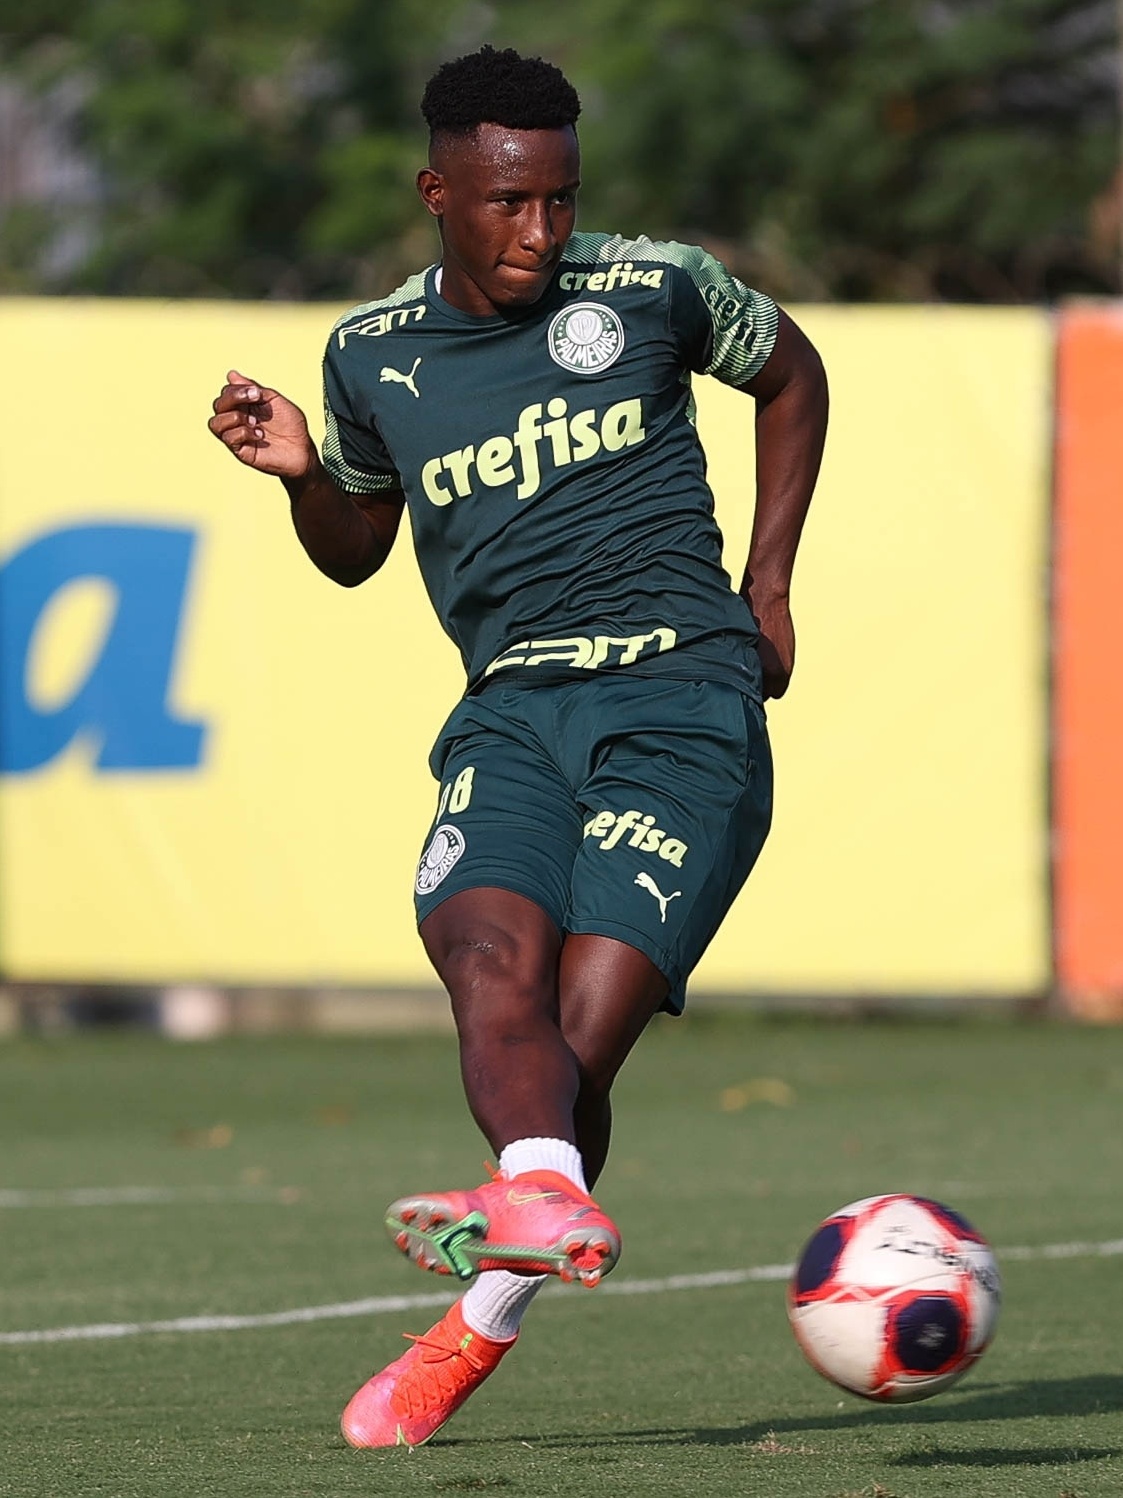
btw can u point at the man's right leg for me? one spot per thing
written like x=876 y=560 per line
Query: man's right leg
x=506 y=822
x=498 y=956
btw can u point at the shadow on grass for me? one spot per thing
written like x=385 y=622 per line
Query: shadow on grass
x=995 y=1456
x=1090 y=1395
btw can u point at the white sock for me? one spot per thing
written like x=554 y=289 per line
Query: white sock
x=544 y=1154
x=495 y=1303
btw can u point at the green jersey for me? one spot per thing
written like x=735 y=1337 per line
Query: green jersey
x=554 y=478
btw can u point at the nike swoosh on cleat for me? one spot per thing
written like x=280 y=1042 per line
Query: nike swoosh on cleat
x=521 y=1198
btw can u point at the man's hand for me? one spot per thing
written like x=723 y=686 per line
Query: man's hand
x=263 y=429
x=776 y=646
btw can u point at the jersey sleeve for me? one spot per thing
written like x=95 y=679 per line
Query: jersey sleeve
x=725 y=328
x=354 y=452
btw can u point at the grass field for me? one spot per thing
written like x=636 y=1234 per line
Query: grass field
x=265 y=1164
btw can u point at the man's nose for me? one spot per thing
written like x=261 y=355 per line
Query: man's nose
x=536 y=233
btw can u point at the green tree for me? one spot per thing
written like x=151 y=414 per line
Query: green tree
x=862 y=148
x=856 y=149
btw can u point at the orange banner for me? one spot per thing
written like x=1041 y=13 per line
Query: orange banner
x=1088 y=671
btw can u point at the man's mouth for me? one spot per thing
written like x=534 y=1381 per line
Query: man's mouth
x=530 y=270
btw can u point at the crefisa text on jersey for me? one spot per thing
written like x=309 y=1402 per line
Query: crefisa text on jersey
x=572 y=439
x=619 y=273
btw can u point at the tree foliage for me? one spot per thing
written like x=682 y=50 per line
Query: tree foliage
x=855 y=149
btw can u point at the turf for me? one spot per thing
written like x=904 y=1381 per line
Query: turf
x=735 y=1136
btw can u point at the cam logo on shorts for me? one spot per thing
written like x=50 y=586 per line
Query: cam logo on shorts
x=445 y=849
x=585 y=337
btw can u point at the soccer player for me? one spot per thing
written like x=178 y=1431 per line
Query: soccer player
x=605 y=781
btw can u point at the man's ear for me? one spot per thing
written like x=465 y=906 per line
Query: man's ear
x=431 y=190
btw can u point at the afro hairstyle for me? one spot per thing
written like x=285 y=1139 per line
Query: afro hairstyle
x=492 y=87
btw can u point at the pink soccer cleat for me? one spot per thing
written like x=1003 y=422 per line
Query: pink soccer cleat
x=538 y=1222
x=410 y=1400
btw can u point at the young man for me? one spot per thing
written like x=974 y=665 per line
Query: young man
x=605 y=780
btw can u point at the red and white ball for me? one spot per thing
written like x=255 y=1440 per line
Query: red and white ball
x=894 y=1297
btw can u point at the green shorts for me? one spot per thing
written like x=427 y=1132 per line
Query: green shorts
x=629 y=807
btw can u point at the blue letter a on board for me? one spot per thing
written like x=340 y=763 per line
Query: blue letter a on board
x=122 y=705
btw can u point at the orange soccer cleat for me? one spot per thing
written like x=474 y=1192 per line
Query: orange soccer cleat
x=410 y=1400
x=538 y=1222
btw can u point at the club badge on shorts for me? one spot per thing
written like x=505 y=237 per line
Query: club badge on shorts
x=445 y=848
x=585 y=337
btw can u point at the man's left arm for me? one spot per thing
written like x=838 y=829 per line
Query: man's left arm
x=791 y=426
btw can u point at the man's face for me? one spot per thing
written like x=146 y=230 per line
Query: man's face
x=506 y=201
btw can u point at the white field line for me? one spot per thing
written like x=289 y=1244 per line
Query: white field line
x=1067 y=1251
x=141 y=1196
x=386 y=1304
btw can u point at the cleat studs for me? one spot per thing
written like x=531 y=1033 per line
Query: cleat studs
x=402 y=1241
x=591 y=1279
x=408 y=1214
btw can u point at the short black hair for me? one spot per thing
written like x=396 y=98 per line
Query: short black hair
x=498 y=88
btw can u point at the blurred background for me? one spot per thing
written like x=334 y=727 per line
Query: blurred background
x=834 y=150
x=213 y=780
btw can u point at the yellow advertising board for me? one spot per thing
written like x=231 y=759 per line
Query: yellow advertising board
x=909 y=850
x=215 y=760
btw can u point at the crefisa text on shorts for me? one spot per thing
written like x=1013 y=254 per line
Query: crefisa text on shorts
x=610 y=828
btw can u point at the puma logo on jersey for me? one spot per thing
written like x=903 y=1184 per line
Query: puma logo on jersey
x=397 y=377
x=646 y=882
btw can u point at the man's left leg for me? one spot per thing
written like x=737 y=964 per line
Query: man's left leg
x=608 y=993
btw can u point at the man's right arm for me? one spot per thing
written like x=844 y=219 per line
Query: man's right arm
x=348 y=536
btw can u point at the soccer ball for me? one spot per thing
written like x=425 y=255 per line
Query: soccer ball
x=894 y=1297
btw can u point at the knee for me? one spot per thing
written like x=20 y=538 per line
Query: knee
x=596 y=1074
x=480 y=954
x=496 y=980
x=598 y=1062
x=609 y=992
